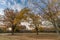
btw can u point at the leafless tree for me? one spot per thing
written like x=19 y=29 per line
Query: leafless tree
x=49 y=11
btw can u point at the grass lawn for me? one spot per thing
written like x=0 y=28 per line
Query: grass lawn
x=29 y=36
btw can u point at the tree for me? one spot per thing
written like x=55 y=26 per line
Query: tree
x=51 y=14
x=10 y=15
x=35 y=20
x=49 y=11
x=14 y=18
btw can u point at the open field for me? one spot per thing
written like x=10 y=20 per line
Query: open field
x=29 y=36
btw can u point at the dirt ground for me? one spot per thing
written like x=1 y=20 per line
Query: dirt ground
x=29 y=36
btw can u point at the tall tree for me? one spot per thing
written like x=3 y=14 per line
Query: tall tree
x=35 y=20
x=51 y=14
x=50 y=10
x=10 y=15
x=14 y=17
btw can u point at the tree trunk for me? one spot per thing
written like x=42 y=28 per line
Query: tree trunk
x=37 y=31
x=56 y=28
x=13 y=27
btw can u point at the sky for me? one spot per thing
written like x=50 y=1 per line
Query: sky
x=18 y=5
x=13 y=4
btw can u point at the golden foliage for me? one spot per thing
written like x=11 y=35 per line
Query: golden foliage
x=21 y=15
